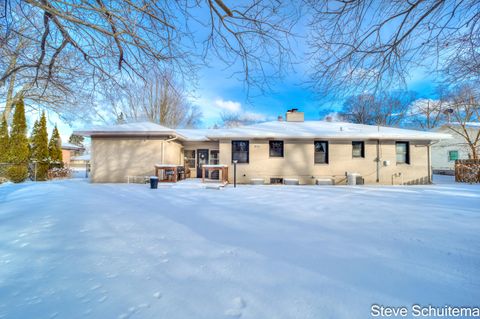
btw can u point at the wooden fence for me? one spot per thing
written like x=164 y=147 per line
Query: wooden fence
x=467 y=171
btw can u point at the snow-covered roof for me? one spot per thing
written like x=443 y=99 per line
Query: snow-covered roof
x=274 y=129
x=84 y=157
x=323 y=129
x=140 y=128
x=70 y=146
x=467 y=124
x=194 y=135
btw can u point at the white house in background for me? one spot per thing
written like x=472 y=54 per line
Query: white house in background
x=445 y=152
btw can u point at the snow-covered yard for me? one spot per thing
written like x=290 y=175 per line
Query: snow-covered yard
x=70 y=249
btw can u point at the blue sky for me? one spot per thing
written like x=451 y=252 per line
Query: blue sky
x=218 y=92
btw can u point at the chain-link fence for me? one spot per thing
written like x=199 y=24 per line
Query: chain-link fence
x=35 y=171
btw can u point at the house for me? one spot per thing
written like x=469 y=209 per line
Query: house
x=445 y=152
x=272 y=152
x=69 y=151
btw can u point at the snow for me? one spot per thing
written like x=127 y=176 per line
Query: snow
x=273 y=129
x=71 y=249
x=323 y=129
x=70 y=146
x=467 y=124
x=84 y=157
x=140 y=128
x=194 y=135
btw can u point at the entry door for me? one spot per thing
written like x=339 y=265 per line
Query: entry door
x=202 y=158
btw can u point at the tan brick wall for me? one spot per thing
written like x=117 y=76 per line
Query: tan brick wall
x=298 y=162
x=113 y=159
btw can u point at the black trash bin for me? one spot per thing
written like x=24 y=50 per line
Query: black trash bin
x=153 y=182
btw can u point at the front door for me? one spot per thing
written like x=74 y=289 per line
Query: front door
x=202 y=158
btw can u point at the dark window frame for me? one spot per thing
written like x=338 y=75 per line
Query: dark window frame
x=248 y=150
x=327 y=152
x=362 y=150
x=270 y=148
x=407 y=154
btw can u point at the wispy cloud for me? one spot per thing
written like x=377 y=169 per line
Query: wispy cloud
x=214 y=107
x=229 y=106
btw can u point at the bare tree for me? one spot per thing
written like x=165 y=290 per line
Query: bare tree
x=236 y=119
x=60 y=88
x=427 y=113
x=464 y=107
x=388 y=109
x=373 y=45
x=124 y=39
x=358 y=109
x=158 y=100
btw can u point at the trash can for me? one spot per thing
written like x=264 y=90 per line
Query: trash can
x=153 y=182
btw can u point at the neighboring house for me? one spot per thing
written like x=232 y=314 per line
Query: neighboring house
x=70 y=150
x=445 y=152
x=270 y=151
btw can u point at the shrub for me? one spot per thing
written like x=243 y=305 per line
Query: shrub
x=59 y=172
x=17 y=173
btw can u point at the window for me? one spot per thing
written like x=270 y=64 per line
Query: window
x=321 y=152
x=276 y=148
x=358 y=149
x=214 y=160
x=240 y=151
x=189 y=158
x=452 y=155
x=403 y=154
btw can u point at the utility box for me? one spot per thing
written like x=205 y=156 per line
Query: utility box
x=352 y=178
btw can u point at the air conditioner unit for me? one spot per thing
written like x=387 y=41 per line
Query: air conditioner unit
x=359 y=180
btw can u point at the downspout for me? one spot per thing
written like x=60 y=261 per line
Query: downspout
x=378 y=161
x=429 y=162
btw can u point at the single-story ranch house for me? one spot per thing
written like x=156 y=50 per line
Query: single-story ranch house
x=270 y=152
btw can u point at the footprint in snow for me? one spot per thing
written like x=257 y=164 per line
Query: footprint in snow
x=238 y=304
x=133 y=310
x=95 y=287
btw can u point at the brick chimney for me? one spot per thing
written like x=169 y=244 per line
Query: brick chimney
x=294 y=115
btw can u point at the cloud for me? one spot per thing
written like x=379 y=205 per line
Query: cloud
x=252 y=116
x=229 y=106
x=211 y=109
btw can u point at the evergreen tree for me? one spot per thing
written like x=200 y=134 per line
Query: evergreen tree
x=31 y=145
x=18 y=150
x=39 y=150
x=55 y=147
x=76 y=140
x=3 y=146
